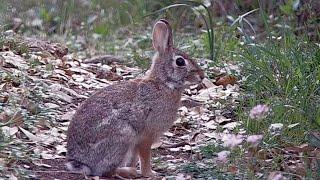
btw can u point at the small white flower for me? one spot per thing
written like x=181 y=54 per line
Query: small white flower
x=254 y=139
x=275 y=128
x=231 y=140
x=259 y=112
x=223 y=156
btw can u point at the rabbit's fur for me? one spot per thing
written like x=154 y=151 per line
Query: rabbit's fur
x=119 y=123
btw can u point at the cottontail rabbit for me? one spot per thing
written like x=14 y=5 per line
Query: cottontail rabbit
x=119 y=123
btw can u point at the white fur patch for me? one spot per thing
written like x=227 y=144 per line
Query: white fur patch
x=84 y=169
x=170 y=85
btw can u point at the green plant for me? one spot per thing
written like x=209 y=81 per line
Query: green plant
x=209 y=150
x=286 y=74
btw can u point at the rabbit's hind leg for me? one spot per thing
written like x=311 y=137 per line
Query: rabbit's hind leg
x=110 y=153
x=131 y=158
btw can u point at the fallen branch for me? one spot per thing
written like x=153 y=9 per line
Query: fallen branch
x=104 y=59
x=180 y=144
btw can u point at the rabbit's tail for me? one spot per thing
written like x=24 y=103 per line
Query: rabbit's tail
x=78 y=167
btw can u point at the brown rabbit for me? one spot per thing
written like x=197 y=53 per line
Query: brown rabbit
x=119 y=123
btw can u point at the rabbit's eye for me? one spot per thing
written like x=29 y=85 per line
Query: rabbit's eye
x=180 y=62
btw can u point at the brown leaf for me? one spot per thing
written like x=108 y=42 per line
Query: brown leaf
x=225 y=80
x=17 y=119
x=32 y=107
x=297 y=168
x=109 y=75
x=233 y=169
x=43 y=124
x=4 y=117
x=55 y=49
x=13 y=61
x=4 y=98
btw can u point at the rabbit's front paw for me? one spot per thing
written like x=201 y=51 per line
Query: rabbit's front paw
x=127 y=172
x=149 y=173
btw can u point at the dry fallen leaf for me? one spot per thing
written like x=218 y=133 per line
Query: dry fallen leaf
x=4 y=117
x=49 y=155
x=63 y=96
x=67 y=116
x=233 y=169
x=32 y=107
x=183 y=177
x=31 y=136
x=17 y=119
x=61 y=149
x=4 y=98
x=42 y=165
x=9 y=131
x=211 y=125
x=13 y=61
x=275 y=175
x=12 y=177
x=96 y=178
x=156 y=145
x=51 y=105
x=207 y=83
x=225 y=80
x=221 y=120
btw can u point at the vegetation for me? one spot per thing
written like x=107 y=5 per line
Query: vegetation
x=270 y=47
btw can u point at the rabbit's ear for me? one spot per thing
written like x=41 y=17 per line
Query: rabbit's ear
x=162 y=36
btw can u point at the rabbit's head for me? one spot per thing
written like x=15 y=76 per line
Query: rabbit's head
x=170 y=65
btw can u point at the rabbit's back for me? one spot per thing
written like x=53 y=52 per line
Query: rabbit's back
x=135 y=102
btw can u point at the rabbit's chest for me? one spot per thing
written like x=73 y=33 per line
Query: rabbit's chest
x=163 y=113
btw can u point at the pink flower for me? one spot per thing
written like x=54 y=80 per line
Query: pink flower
x=231 y=140
x=223 y=156
x=259 y=112
x=254 y=139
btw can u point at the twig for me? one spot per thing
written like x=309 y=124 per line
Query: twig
x=183 y=143
x=104 y=59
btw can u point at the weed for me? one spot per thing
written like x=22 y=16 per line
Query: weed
x=285 y=74
x=210 y=149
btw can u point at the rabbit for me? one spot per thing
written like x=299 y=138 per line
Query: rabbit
x=117 y=125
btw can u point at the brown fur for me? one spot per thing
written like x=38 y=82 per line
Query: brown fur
x=119 y=123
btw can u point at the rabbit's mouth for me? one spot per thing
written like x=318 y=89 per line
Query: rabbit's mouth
x=194 y=81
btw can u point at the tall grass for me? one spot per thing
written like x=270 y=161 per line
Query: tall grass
x=284 y=72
